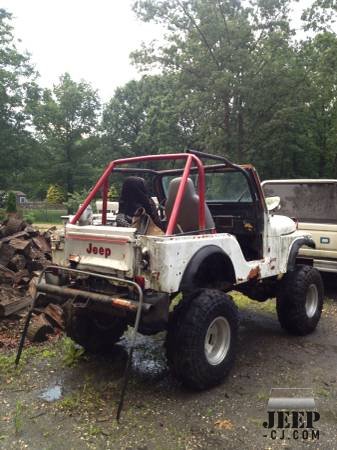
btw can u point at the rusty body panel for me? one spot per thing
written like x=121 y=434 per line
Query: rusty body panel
x=254 y=273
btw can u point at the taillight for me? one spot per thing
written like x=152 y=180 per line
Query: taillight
x=140 y=281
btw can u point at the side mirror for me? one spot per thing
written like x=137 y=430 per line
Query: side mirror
x=273 y=203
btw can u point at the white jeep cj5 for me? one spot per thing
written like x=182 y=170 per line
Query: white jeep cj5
x=220 y=235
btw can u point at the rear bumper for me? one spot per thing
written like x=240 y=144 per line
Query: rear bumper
x=85 y=297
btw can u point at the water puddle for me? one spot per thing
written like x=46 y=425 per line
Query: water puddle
x=148 y=358
x=52 y=394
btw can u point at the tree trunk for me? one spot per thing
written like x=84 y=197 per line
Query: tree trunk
x=69 y=176
x=240 y=131
x=227 y=125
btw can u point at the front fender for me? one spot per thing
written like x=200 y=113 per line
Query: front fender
x=295 y=249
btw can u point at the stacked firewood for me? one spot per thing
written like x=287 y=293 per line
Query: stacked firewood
x=23 y=252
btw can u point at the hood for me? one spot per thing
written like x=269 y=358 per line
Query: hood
x=280 y=225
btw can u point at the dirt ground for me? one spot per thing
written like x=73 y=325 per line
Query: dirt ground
x=61 y=398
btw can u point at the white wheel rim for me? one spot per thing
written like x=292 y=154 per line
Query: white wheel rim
x=311 y=302
x=217 y=340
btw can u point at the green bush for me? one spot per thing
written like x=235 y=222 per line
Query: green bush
x=74 y=200
x=55 y=195
x=2 y=215
x=11 y=203
x=3 y=199
x=113 y=193
x=29 y=217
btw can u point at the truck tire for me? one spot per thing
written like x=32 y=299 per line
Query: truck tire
x=96 y=332
x=202 y=338
x=299 y=301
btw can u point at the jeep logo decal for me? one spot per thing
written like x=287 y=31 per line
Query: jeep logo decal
x=99 y=250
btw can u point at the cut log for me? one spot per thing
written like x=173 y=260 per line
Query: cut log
x=6 y=275
x=39 y=328
x=32 y=286
x=31 y=231
x=21 y=277
x=17 y=263
x=36 y=264
x=55 y=314
x=20 y=245
x=13 y=225
x=19 y=235
x=42 y=244
x=6 y=254
x=8 y=307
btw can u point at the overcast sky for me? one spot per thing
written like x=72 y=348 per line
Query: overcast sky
x=89 y=39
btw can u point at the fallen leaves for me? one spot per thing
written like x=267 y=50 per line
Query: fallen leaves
x=224 y=424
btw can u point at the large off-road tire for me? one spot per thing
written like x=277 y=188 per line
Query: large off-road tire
x=202 y=338
x=299 y=300
x=94 y=331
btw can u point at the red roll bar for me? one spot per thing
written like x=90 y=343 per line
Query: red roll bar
x=103 y=183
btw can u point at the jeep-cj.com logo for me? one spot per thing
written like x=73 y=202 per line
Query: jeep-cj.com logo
x=292 y=414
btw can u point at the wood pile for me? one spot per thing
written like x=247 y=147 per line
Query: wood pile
x=47 y=320
x=23 y=251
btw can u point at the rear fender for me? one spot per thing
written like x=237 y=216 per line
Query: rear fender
x=209 y=265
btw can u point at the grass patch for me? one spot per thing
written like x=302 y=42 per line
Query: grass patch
x=69 y=403
x=44 y=215
x=86 y=399
x=244 y=302
x=323 y=392
x=71 y=352
x=262 y=396
x=17 y=418
x=48 y=353
x=94 y=430
x=7 y=360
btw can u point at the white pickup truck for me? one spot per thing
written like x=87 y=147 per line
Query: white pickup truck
x=219 y=236
x=312 y=203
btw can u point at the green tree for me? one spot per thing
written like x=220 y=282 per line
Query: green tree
x=11 y=202
x=221 y=51
x=319 y=55
x=244 y=85
x=17 y=80
x=66 y=119
x=142 y=118
x=55 y=195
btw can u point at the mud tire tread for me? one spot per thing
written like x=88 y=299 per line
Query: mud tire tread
x=291 y=298
x=186 y=335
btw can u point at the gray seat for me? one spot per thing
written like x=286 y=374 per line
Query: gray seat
x=188 y=217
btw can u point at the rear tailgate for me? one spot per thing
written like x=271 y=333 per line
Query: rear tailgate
x=104 y=247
